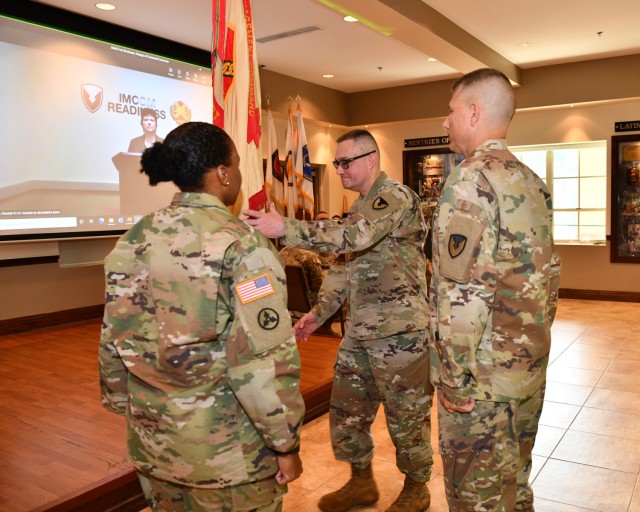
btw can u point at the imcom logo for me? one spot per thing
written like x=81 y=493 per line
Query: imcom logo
x=91 y=96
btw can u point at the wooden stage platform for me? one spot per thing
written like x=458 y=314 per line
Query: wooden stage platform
x=59 y=449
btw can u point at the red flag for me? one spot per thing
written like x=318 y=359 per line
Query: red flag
x=217 y=59
x=237 y=85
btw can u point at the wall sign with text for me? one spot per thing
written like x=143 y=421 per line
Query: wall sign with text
x=626 y=126
x=442 y=140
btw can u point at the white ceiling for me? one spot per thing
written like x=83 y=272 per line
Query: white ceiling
x=482 y=33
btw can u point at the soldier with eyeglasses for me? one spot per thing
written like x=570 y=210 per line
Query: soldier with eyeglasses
x=383 y=357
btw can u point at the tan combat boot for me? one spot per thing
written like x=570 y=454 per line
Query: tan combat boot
x=359 y=490
x=414 y=497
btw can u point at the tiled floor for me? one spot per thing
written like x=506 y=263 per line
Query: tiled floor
x=587 y=454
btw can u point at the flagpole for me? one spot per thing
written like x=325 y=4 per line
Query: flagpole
x=266 y=205
x=290 y=150
x=304 y=211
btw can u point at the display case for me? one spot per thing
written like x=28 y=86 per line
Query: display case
x=625 y=198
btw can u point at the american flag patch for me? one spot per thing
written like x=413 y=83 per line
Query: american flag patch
x=254 y=288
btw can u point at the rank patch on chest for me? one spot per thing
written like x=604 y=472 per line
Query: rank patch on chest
x=457 y=243
x=254 y=289
x=379 y=204
x=268 y=319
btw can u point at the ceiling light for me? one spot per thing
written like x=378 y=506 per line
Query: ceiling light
x=106 y=7
x=525 y=44
x=350 y=19
x=328 y=76
x=431 y=59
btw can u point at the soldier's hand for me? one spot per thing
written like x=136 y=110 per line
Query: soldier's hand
x=269 y=223
x=290 y=468
x=305 y=326
x=450 y=407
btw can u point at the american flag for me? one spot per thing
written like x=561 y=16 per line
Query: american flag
x=254 y=288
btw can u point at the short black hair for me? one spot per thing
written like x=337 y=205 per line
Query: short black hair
x=186 y=155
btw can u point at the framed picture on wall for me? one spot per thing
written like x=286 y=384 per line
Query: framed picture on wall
x=425 y=170
x=625 y=198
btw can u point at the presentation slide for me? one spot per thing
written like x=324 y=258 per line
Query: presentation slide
x=73 y=130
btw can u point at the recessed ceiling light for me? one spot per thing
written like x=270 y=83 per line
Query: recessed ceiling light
x=431 y=59
x=328 y=76
x=525 y=44
x=106 y=7
x=350 y=19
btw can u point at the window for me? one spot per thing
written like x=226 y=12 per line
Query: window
x=576 y=175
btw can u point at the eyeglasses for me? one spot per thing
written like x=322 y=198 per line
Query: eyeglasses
x=345 y=163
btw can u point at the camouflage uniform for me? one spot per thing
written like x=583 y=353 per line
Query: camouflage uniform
x=328 y=259
x=197 y=351
x=493 y=299
x=384 y=354
x=311 y=265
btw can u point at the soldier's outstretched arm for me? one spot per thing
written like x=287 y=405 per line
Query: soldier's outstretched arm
x=305 y=326
x=332 y=293
x=357 y=232
x=269 y=223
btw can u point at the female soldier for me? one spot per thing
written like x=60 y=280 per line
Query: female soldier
x=197 y=349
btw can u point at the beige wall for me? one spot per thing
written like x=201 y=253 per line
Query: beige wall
x=588 y=268
x=561 y=84
x=36 y=289
x=584 y=267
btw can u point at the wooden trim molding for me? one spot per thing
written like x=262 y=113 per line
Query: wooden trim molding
x=37 y=260
x=68 y=316
x=570 y=293
x=120 y=492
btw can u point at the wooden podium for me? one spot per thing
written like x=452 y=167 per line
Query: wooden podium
x=137 y=197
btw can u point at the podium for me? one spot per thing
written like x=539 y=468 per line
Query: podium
x=137 y=197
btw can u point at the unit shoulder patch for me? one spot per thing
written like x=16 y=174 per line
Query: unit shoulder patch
x=268 y=318
x=379 y=203
x=462 y=235
x=457 y=243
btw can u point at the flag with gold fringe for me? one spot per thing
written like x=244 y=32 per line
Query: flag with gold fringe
x=274 y=176
x=236 y=93
x=304 y=174
x=290 y=181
